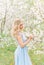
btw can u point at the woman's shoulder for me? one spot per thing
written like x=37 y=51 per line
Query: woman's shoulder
x=22 y=33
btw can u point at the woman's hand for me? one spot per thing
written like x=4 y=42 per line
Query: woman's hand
x=31 y=37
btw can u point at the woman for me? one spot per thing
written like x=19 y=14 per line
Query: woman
x=21 y=56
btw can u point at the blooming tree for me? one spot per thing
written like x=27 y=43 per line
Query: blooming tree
x=30 y=11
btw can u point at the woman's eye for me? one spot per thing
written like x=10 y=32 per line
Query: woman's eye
x=21 y=25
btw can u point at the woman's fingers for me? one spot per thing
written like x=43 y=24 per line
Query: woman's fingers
x=31 y=36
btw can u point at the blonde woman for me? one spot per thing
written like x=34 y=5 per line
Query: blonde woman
x=21 y=55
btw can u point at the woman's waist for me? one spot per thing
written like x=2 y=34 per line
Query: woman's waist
x=19 y=47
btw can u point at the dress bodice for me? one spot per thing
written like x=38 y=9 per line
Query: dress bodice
x=23 y=38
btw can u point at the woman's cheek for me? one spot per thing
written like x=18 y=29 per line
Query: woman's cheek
x=21 y=27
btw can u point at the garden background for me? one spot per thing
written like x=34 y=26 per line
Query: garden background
x=31 y=12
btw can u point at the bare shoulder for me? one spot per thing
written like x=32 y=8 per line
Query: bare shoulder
x=18 y=36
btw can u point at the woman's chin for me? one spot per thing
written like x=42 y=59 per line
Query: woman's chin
x=21 y=28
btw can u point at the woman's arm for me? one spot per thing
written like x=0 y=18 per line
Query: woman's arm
x=21 y=43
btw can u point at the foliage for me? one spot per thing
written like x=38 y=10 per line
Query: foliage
x=31 y=12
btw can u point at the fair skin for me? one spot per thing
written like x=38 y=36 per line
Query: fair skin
x=19 y=38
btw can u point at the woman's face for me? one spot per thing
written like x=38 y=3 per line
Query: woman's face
x=21 y=26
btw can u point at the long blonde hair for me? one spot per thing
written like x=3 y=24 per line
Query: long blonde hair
x=15 y=27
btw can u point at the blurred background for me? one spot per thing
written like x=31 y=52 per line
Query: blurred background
x=31 y=12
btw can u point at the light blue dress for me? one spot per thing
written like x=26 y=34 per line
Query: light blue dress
x=21 y=54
